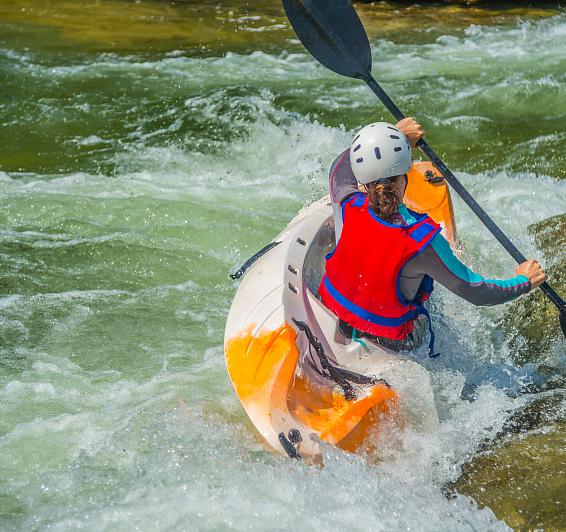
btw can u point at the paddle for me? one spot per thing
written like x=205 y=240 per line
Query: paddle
x=334 y=35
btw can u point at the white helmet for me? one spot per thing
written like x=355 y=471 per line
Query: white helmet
x=379 y=151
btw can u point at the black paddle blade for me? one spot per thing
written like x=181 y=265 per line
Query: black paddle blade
x=333 y=33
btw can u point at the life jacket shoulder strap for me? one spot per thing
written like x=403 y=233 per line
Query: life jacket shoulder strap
x=359 y=199
x=424 y=230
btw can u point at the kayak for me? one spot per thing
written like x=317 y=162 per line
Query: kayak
x=301 y=380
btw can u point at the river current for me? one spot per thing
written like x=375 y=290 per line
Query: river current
x=146 y=151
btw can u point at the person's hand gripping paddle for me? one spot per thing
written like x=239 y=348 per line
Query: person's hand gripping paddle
x=334 y=35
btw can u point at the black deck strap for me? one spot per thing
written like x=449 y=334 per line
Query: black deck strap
x=252 y=259
x=343 y=377
x=289 y=447
x=335 y=375
x=359 y=378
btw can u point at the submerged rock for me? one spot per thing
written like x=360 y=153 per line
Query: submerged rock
x=531 y=323
x=521 y=476
x=523 y=481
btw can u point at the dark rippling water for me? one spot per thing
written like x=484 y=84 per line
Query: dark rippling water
x=146 y=150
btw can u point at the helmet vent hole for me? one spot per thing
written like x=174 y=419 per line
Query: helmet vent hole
x=377 y=152
x=357 y=147
x=360 y=160
x=393 y=128
x=394 y=137
x=397 y=148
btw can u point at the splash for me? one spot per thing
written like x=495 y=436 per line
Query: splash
x=132 y=183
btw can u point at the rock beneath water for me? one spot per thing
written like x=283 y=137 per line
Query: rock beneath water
x=522 y=475
x=522 y=481
x=531 y=323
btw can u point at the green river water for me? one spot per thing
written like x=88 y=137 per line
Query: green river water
x=146 y=150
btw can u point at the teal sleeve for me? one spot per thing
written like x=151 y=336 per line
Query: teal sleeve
x=439 y=262
x=460 y=270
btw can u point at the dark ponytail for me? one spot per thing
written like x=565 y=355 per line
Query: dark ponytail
x=384 y=199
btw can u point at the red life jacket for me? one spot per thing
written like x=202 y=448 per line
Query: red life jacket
x=361 y=284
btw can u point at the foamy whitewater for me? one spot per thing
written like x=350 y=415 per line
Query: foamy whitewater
x=160 y=176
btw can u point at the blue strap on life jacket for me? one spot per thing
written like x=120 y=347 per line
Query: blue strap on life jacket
x=422 y=231
x=421 y=309
x=363 y=313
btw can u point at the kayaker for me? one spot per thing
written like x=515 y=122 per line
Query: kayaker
x=382 y=270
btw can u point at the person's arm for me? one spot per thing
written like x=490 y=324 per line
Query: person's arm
x=439 y=262
x=343 y=182
x=343 y=185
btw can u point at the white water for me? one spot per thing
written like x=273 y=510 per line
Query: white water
x=116 y=410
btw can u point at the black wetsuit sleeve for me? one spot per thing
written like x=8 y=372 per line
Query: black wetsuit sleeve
x=439 y=262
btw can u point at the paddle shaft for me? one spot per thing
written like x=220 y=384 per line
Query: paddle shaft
x=461 y=191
